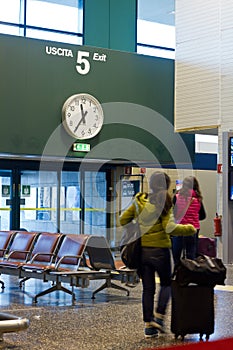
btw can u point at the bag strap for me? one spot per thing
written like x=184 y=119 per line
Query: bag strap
x=137 y=210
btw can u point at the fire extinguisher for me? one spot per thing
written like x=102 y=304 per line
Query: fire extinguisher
x=218 y=225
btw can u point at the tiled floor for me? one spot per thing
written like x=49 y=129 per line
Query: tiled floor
x=112 y=321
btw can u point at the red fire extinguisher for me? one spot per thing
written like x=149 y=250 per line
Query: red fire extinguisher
x=218 y=225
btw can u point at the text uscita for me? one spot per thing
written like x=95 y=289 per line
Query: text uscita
x=58 y=51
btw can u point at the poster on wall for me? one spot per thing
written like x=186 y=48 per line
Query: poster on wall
x=129 y=188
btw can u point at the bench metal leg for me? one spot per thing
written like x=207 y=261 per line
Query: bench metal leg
x=2 y=284
x=109 y=284
x=22 y=281
x=57 y=286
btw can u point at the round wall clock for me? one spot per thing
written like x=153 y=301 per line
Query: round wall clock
x=82 y=116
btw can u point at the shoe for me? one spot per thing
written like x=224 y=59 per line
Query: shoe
x=150 y=331
x=158 y=322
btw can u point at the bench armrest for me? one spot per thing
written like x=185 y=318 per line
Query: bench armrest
x=41 y=254
x=60 y=261
x=11 y=254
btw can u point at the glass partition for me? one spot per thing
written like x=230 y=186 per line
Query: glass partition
x=38 y=201
x=70 y=206
x=95 y=203
x=6 y=193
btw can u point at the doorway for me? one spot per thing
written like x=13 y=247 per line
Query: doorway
x=67 y=201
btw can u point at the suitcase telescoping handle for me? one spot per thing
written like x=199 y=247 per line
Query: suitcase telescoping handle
x=209 y=261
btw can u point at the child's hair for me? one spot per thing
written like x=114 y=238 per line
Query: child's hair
x=190 y=183
x=159 y=185
x=159 y=180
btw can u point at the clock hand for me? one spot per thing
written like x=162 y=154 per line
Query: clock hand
x=82 y=120
x=83 y=115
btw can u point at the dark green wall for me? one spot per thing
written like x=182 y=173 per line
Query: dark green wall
x=110 y=24
x=34 y=86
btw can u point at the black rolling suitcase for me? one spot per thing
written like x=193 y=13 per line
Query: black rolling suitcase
x=192 y=310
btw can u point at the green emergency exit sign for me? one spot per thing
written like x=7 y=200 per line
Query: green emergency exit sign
x=81 y=147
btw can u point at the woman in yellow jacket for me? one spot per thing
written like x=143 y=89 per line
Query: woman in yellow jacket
x=157 y=224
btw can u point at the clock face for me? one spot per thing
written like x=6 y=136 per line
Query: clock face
x=82 y=116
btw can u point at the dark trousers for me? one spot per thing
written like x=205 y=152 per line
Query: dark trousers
x=155 y=260
x=189 y=246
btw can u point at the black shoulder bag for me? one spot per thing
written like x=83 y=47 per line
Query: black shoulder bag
x=130 y=245
x=203 y=270
x=202 y=212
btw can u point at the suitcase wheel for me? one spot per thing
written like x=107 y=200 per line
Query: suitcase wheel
x=207 y=337
x=200 y=336
x=181 y=335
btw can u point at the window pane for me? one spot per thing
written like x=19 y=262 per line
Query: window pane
x=156 y=34
x=151 y=51
x=156 y=28
x=70 y=202
x=10 y=11
x=38 y=211
x=63 y=15
x=4 y=29
x=206 y=143
x=45 y=35
x=95 y=203
x=5 y=196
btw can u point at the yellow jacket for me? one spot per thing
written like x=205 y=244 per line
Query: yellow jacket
x=156 y=229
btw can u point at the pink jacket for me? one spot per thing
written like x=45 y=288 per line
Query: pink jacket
x=191 y=216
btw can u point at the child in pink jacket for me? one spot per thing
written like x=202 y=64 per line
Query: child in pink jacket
x=187 y=208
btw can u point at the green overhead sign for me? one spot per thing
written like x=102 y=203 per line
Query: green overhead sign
x=136 y=93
